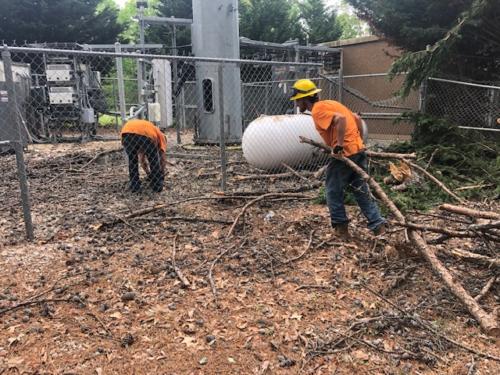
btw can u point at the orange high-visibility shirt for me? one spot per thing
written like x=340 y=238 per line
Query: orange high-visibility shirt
x=147 y=129
x=323 y=113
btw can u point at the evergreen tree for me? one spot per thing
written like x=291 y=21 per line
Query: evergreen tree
x=320 y=22
x=457 y=38
x=270 y=20
x=410 y=24
x=89 y=21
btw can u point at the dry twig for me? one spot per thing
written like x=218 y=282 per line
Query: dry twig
x=185 y=282
x=486 y=288
x=258 y=199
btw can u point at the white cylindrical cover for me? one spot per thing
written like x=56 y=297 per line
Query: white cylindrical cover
x=270 y=141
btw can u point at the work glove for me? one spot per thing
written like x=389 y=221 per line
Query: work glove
x=338 y=150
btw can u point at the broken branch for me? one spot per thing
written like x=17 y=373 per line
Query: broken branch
x=258 y=199
x=486 y=288
x=470 y=212
x=434 y=179
x=185 y=282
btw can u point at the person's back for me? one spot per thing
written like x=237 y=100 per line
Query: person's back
x=323 y=113
x=141 y=138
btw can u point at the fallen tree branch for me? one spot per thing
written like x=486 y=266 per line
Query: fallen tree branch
x=465 y=211
x=390 y=155
x=427 y=326
x=258 y=199
x=295 y=173
x=158 y=207
x=472 y=187
x=288 y=261
x=185 y=282
x=492 y=225
x=99 y=155
x=210 y=273
x=320 y=172
x=35 y=302
x=487 y=321
x=436 y=229
x=434 y=179
x=486 y=288
x=467 y=255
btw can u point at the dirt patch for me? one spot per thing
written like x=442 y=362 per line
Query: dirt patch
x=290 y=297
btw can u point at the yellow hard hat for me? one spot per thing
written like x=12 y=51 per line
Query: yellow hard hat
x=303 y=88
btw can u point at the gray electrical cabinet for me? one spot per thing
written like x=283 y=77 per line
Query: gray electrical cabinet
x=215 y=33
x=12 y=130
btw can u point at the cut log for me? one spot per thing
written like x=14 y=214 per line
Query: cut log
x=470 y=212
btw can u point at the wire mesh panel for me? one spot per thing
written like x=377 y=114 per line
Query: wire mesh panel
x=377 y=100
x=465 y=104
x=14 y=90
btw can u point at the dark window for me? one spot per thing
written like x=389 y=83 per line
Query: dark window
x=208 y=97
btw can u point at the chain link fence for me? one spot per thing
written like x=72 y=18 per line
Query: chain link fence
x=469 y=105
x=204 y=113
x=214 y=124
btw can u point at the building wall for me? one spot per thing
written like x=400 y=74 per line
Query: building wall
x=372 y=55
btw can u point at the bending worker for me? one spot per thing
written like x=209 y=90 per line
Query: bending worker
x=341 y=130
x=142 y=139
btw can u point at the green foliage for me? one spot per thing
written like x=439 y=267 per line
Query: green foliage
x=410 y=24
x=458 y=156
x=130 y=33
x=270 y=20
x=320 y=22
x=108 y=121
x=90 y=21
x=351 y=26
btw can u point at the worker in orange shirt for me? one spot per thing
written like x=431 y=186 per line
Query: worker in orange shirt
x=143 y=140
x=340 y=129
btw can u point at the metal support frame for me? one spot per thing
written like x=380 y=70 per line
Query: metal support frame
x=121 y=84
x=17 y=144
x=223 y=120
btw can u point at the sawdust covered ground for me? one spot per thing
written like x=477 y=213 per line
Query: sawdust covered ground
x=289 y=297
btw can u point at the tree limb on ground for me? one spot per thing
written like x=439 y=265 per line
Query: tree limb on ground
x=468 y=255
x=258 y=199
x=185 y=282
x=487 y=321
x=390 y=155
x=465 y=211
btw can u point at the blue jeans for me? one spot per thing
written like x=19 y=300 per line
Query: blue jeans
x=338 y=177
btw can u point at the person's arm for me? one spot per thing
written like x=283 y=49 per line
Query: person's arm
x=339 y=121
x=144 y=162
x=359 y=123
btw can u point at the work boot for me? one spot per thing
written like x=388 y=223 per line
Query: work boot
x=134 y=187
x=380 y=230
x=342 y=231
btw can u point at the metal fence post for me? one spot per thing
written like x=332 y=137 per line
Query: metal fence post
x=341 y=77
x=140 y=86
x=121 y=84
x=422 y=105
x=222 y=120
x=18 y=143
